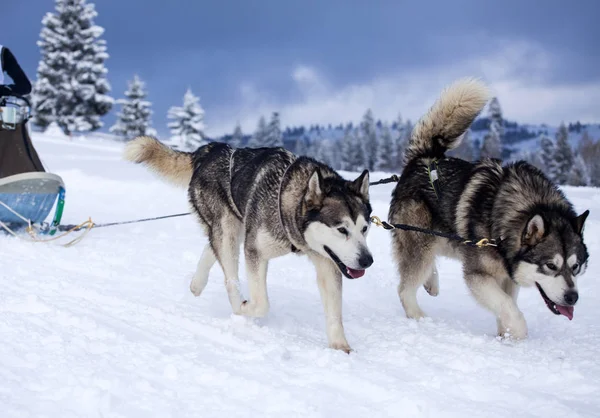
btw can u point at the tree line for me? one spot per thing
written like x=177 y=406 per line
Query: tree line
x=72 y=90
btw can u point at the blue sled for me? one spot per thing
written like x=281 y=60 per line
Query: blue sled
x=31 y=195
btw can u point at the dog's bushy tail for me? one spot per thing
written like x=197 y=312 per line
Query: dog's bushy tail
x=443 y=126
x=174 y=166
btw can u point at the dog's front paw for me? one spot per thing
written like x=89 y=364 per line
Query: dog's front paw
x=514 y=328
x=253 y=309
x=196 y=287
x=343 y=346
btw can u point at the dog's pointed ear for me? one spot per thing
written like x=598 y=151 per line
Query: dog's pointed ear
x=534 y=231
x=314 y=194
x=580 y=221
x=361 y=185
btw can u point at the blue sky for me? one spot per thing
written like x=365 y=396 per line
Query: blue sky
x=328 y=61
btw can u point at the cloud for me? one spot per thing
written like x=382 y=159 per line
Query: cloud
x=517 y=72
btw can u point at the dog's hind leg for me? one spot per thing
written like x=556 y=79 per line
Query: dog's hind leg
x=432 y=285
x=329 y=280
x=225 y=239
x=207 y=260
x=415 y=255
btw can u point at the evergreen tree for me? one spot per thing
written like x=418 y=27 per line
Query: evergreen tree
x=71 y=88
x=496 y=119
x=368 y=141
x=590 y=153
x=385 y=151
x=398 y=143
x=301 y=146
x=350 y=151
x=563 y=156
x=134 y=118
x=273 y=137
x=237 y=138
x=547 y=157
x=325 y=153
x=579 y=175
x=492 y=142
x=187 y=123
x=465 y=150
x=259 y=138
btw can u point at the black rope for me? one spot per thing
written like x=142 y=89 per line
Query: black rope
x=481 y=242
x=393 y=179
x=69 y=227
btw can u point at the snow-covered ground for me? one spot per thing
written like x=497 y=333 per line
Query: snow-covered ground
x=109 y=328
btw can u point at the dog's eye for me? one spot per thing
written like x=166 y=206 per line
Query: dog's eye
x=552 y=266
x=365 y=229
x=575 y=267
x=343 y=230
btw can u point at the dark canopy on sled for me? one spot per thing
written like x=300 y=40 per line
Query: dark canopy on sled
x=17 y=154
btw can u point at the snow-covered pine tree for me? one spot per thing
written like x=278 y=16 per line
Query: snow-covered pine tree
x=496 y=119
x=350 y=151
x=187 y=123
x=465 y=150
x=301 y=146
x=273 y=137
x=491 y=147
x=259 y=138
x=325 y=153
x=547 y=157
x=563 y=155
x=579 y=175
x=368 y=141
x=385 y=151
x=590 y=152
x=237 y=138
x=492 y=142
x=397 y=150
x=71 y=88
x=134 y=118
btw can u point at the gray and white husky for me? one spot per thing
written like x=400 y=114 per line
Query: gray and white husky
x=274 y=203
x=540 y=237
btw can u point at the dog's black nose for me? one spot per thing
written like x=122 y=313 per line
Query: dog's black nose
x=571 y=297
x=365 y=260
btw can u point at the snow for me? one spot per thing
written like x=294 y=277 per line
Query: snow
x=109 y=328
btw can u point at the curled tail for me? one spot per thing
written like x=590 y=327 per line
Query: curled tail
x=447 y=120
x=174 y=166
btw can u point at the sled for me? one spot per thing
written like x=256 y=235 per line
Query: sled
x=27 y=191
x=29 y=198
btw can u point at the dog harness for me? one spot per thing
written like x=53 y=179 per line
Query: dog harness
x=433 y=172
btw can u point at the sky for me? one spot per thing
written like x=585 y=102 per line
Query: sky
x=329 y=61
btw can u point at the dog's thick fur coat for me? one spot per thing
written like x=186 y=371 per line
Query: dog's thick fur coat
x=274 y=203
x=540 y=235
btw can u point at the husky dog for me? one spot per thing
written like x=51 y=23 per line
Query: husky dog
x=275 y=203
x=540 y=237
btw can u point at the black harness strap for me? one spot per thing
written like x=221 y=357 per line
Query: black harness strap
x=479 y=242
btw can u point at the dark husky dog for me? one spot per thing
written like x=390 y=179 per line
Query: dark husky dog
x=274 y=203
x=539 y=235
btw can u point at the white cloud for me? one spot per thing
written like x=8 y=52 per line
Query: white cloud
x=516 y=73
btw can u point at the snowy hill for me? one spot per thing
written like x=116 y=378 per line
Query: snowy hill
x=108 y=328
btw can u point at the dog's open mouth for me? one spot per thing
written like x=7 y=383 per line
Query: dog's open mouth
x=346 y=271
x=554 y=308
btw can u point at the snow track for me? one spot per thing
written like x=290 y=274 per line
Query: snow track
x=109 y=328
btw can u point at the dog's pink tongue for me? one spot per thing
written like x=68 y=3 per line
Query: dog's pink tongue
x=355 y=274
x=566 y=311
